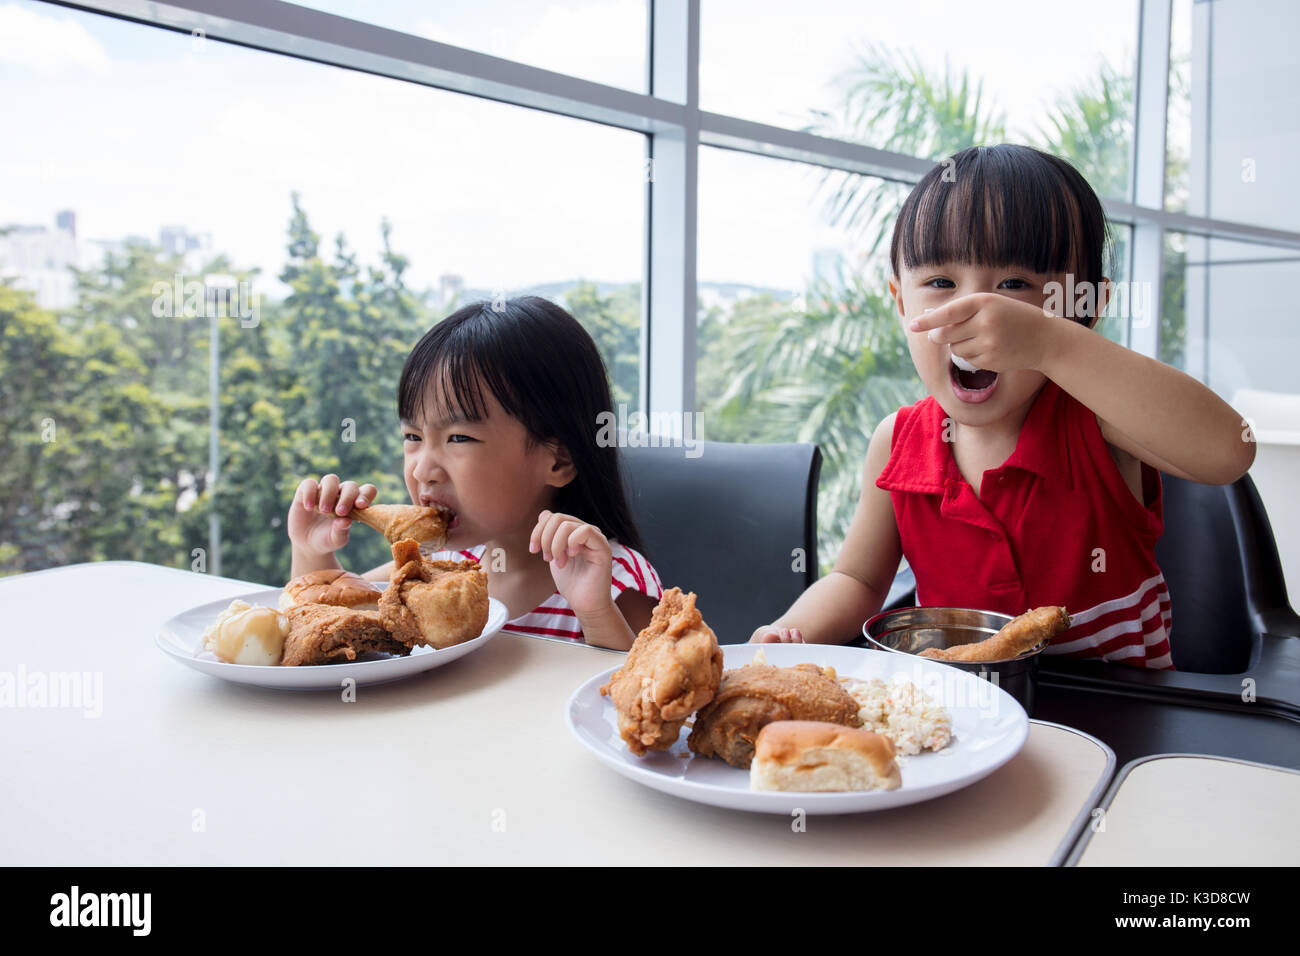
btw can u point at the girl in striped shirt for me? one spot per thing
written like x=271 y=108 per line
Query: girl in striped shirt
x=1030 y=475
x=499 y=413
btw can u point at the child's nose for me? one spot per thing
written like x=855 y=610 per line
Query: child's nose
x=428 y=469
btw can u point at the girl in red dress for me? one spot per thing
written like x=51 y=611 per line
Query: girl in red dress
x=1030 y=475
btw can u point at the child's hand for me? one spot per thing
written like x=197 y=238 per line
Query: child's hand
x=991 y=331
x=770 y=634
x=316 y=522
x=580 y=560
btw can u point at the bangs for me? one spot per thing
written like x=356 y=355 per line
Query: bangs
x=447 y=372
x=999 y=206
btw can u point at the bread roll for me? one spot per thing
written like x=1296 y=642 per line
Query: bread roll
x=807 y=755
x=331 y=586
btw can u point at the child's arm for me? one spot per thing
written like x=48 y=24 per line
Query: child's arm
x=1150 y=410
x=834 y=608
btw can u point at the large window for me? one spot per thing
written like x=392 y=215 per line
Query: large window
x=734 y=166
x=798 y=337
x=338 y=215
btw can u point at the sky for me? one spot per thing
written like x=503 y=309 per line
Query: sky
x=135 y=127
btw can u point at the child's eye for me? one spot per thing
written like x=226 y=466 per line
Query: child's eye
x=942 y=283
x=1015 y=284
x=410 y=436
x=458 y=439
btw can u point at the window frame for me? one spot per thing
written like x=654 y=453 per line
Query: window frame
x=675 y=128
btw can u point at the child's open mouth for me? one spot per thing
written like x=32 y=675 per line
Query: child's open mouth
x=972 y=387
x=430 y=502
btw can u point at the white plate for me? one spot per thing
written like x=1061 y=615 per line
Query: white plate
x=989 y=728
x=182 y=638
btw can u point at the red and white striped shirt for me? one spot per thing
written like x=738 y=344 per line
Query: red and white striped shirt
x=554 y=618
x=1054 y=524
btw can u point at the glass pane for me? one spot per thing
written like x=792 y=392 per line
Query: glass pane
x=1116 y=320
x=929 y=78
x=333 y=243
x=1222 y=319
x=798 y=338
x=599 y=40
x=1233 y=119
x=1178 y=126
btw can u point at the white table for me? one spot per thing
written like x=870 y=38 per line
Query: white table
x=1195 y=810
x=468 y=764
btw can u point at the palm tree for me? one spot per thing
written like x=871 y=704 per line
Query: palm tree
x=830 y=373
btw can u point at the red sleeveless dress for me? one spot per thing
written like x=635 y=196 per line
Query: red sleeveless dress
x=1054 y=524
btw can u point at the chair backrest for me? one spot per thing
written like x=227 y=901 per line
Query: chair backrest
x=737 y=524
x=1215 y=557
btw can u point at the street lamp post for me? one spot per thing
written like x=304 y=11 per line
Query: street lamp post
x=218 y=289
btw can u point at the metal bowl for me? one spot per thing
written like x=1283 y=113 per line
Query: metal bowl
x=910 y=630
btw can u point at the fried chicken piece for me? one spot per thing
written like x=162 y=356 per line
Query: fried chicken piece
x=672 y=670
x=428 y=526
x=327 y=634
x=1016 y=636
x=440 y=603
x=749 y=698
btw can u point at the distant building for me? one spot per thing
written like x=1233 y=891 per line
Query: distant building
x=194 y=248
x=450 y=288
x=66 y=220
x=39 y=259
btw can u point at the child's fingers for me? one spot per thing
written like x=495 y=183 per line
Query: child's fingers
x=307 y=491
x=366 y=496
x=950 y=313
x=348 y=493
x=560 y=540
x=535 y=539
x=587 y=536
x=547 y=533
x=329 y=490
x=952 y=334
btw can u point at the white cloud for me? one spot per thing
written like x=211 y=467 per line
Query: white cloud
x=48 y=44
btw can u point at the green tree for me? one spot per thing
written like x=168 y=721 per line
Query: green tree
x=349 y=333
x=90 y=465
x=614 y=322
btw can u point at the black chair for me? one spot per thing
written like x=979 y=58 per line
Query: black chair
x=1231 y=616
x=737 y=525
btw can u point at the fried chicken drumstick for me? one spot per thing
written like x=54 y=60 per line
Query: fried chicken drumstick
x=1017 y=636
x=749 y=698
x=428 y=526
x=440 y=603
x=671 y=671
